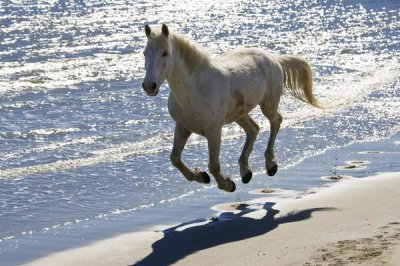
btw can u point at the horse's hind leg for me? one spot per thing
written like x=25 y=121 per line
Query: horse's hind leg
x=214 y=143
x=181 y=136
x=251 y=129
x=275 y=119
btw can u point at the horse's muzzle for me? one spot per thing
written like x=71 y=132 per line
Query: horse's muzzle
x=151 y=89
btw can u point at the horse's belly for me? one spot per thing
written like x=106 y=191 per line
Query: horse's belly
x=237 y=113
x=243 y=100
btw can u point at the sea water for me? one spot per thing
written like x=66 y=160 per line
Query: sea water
x=85 y=153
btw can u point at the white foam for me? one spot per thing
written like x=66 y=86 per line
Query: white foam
x=51 y=147
x=113 y=153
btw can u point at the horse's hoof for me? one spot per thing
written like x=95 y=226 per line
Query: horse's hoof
x=229 y=185
x=204 y=178
x=247 y=177
x=233 y=186
x=272 y=170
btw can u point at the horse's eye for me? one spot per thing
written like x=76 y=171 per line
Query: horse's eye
x=164 y=54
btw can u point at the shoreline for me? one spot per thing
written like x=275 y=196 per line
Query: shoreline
x=355 y=220
x=85 y=172
x=337 y=224
x=306 y=177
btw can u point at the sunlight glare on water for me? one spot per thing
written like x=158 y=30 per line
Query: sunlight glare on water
x=81 y=141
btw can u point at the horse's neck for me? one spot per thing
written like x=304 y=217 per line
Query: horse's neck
x=183 y=77
x=180 y=83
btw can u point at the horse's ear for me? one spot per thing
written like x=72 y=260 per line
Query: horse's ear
x=147 y=30
x=165 y=30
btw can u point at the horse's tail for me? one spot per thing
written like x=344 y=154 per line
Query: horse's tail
x=298 y=79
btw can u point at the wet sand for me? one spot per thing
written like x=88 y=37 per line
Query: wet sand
x=354 y=221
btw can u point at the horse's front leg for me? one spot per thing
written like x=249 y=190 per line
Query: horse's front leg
x=181 y=136
x=214 y=143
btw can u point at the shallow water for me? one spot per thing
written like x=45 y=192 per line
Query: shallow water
x=83 y=148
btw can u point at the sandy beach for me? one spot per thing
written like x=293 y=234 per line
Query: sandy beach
x=355 y=221
x=85 y=170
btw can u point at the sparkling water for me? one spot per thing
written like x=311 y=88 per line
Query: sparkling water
x=83 y=149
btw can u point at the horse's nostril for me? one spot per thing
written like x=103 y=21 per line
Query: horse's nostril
x=154 y=86
x=143 y=85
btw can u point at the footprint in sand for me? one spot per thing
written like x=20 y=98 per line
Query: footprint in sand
x=335 y=177
x=370 y=152
x=237 y=206
x=264 y=191
x=353 y=165
x=368 y=250
x=357 y=162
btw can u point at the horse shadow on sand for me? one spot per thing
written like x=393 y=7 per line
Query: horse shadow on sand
x=187 y=238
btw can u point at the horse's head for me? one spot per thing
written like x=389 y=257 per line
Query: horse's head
x=158 y=59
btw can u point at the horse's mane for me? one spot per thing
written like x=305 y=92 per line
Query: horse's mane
x=193 y=55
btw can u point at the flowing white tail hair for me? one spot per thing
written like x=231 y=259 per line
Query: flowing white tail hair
x=298 y=79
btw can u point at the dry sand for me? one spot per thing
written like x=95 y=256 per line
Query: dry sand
x=354 y=221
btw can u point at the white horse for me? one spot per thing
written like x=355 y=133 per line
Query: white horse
x=206 y=93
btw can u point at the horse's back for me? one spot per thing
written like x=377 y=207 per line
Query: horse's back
x=249 y=59
x=254 y=76
x=251 y=67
